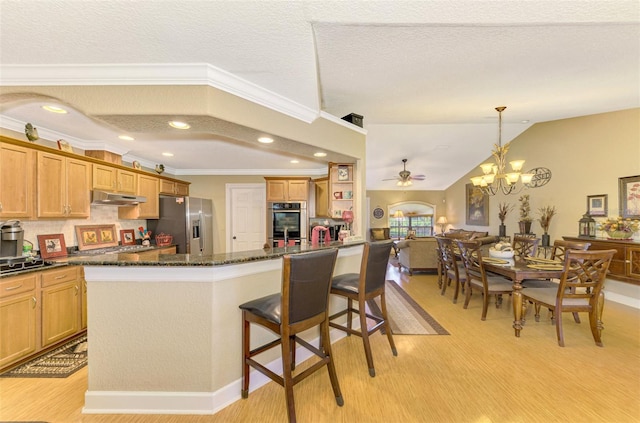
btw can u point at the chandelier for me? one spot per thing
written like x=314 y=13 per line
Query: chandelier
x=495 y=178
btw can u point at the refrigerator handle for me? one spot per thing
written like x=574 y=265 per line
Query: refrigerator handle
x=203 y=234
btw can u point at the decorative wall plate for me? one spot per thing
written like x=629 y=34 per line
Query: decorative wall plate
x=541 y=176
x=378 y=213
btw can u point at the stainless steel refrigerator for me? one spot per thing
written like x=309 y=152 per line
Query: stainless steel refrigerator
x=189 y=220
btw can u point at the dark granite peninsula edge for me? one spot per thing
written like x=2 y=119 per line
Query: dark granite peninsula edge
x=135 y=259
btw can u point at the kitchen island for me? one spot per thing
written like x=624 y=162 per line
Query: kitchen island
x=165 y=332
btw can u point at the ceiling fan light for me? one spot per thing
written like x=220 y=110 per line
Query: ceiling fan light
x=399 y=183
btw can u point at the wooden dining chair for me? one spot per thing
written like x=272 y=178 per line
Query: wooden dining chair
x=362 y=287
x=579 y=290
x=558 y=252
x=524 y=246
x=478 y=279
x=452 y=269
x=302 y=304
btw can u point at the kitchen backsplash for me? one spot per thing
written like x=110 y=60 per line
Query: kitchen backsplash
x=100 y=215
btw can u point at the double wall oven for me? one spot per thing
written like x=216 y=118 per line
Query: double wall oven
x=287 y=223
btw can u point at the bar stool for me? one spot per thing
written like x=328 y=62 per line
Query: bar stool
x=301 y=304
x=366 y=285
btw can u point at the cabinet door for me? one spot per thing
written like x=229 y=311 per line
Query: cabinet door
x=126 y=181
x=18 y=327
x=148 y=186
x=60 y=312
x=51 y=192
x=16 y=181
x=83 y=310
x=182 y=189
x=167 y=187
x=104 y=177
x=277 y=190
x=298 y=190
x=633 y=258
x=78 y=188
x=322 y=198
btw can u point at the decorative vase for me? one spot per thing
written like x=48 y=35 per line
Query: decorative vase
x=525 y=226
x=619 y=235
x=546 y=239
x=502 y=230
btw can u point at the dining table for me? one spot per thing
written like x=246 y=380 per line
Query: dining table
x=518 y=270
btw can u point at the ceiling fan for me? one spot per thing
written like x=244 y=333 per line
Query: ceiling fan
x=405 y=179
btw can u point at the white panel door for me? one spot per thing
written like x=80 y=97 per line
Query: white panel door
x=247 y=220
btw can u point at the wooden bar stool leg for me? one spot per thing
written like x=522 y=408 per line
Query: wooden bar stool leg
x=387 y=326
x=326 y=345
x=364 y=330
x=349 y=315
x=245 y=354
x=287 y=377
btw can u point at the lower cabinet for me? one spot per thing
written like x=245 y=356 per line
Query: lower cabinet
x=38 y=310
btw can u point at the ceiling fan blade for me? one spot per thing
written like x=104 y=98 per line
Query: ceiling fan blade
x=391 y=179
x=419 y=177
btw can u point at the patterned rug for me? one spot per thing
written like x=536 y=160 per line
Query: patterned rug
x=406 y=317
x=60 y=362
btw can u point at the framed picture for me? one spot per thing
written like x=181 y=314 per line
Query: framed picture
x=343 y=173
x=52 y=246
x=597 y=205
x=127 y=237
x=64 y=146
x=629 y=196
x=96 y=236
x=477 y=206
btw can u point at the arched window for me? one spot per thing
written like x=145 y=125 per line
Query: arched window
x=411 y=216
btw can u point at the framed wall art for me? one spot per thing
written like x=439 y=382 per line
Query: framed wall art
x=127 y=237
x=64 y=146
x=52 y=246
x=96 y=236
x=597 y=205
x=629 y=196
x=477 y=206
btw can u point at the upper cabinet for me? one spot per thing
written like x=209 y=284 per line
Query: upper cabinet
x=148 y=186
x=341 y=188
x=64 y=186
x=287 y=189
x=110 y=178
x=169 y=187
x=322 y=197
x=17 y=176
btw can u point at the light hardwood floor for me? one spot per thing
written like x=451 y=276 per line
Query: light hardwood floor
x=479 y=373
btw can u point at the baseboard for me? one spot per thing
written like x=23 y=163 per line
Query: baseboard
x=143 y=402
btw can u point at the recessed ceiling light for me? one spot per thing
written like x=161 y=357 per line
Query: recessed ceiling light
x=294 y=161
x=167 y=154
x=265 y=140
x=525 y=121
x=179 y=125
x=54 y=109
x=126 y=138
x=320 y=154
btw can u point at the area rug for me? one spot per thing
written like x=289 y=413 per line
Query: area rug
x=406 y=317
x=60 y=362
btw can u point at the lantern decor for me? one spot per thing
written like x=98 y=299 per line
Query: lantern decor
x=587 y=226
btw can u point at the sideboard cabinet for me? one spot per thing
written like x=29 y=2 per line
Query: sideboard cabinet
x=625 y=265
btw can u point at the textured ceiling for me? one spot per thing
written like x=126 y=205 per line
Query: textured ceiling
x=426 y=75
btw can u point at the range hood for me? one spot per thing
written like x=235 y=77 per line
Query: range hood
x=104 y=198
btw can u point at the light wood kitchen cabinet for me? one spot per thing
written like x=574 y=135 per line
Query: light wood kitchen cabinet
x=64 y=186
x=168 y=187
x=148 y=186
x=287 y=189
x=83 y=310
x=17 y=176
x=60 y=300
x=17 y=318
x=110 y=178
x=322 y=197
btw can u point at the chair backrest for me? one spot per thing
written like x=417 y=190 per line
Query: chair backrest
x=448 y=257
x=583 y=276
x=471 y=254
x=379 y=234
x=373 y=268
x=524 y=246
x=560 y=247
x=306 y=282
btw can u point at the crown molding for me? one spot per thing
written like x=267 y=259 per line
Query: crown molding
x=153 y=74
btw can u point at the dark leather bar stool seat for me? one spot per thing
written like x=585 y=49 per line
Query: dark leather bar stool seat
x=361 y=287
x=302 y=304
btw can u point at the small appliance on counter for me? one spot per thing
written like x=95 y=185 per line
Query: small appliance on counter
x=11 y=239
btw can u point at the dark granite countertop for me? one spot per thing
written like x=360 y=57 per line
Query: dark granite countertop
x=133 y=259
x=22 y=272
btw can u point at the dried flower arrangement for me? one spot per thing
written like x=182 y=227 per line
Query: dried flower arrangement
x=503 y=210
x=525 y=208
x=546 y=213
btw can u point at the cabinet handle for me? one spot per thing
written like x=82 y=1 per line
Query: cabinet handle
x=77 y=290
x=69 y=207
x=11 y=288
x=35 y=301
x=0 y=207
x=60 y=277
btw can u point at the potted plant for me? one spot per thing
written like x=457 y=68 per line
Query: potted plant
x=525 y=219
x=503 y=210
x=546 y=213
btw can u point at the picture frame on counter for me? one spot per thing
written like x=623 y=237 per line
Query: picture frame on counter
x=597 y=205
x=52 y=245
x=64 y=146
x=96 y=236
x=127 y=237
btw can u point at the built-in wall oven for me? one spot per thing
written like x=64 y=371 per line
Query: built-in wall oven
x=287 y=223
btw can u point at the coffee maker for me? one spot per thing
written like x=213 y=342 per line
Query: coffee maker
x=11 y=239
